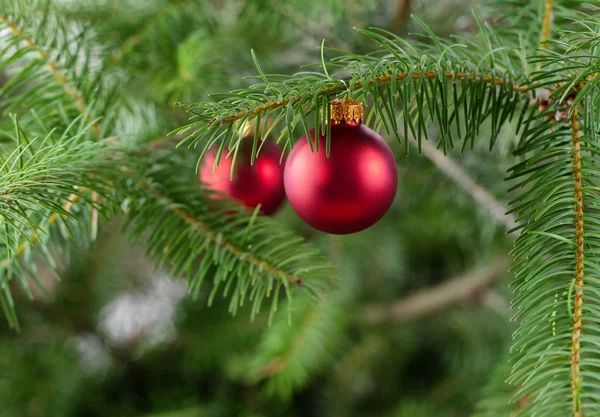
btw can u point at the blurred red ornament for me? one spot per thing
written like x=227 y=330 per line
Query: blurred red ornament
x=353 y=188
x=261 y=183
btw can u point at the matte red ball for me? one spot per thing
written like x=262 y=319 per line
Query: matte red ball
x=347 y=192
x=261 y=183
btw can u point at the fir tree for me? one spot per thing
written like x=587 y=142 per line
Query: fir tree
x=89 y=92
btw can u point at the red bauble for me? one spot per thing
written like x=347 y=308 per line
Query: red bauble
x=261 y=183
x=347 y=192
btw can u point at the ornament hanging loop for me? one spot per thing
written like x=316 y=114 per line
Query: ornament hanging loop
x=346 y=111
x=347 y=89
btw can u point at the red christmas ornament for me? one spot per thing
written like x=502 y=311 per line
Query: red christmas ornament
x=353 y=188
x=261 y=183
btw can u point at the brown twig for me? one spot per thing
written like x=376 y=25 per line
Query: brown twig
x=433 y=300
x=578 y=307
x=546 y=24
x=469 y=185
x=401 y=14
x=579 y=241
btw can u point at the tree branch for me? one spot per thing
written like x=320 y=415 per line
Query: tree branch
x=488 y=79
x=82 y=106
x=433 y=300
x=578 y=303
x=55 y=70
x=278 y=364
x=33 y=239
x=469 y=185
x=216 y=240
x=546 y=24
x=401 y=14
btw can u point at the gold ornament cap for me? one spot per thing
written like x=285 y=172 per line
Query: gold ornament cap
x=346 y=111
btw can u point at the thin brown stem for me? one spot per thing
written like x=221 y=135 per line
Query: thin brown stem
x=546 y=24
x=402 y=12
x=578 y=305
x=436 y=299
x=469 y=185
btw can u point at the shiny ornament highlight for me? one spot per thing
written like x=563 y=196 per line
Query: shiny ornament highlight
x=349 y=191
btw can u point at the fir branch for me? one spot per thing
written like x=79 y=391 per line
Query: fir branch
x=54 y=68
x=33 y=238
x=578 y=305
x=227 y=127
x=540 y=367
x=37 y=174
x=282 y=260
x=285 y=261
x=385 y=79
x=69 y=88
x=552 y=367
x=458 y=88
x=276 y=365
x=82 y=106
x=255 y=257
x=288 y=356
x=217 y=240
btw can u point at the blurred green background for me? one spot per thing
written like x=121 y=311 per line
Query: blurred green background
x=117 y=337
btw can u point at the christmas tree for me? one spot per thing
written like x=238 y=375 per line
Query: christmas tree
x=151 y=267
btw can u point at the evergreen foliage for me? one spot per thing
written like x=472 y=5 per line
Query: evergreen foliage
x=89 y=91
x=65 y=89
